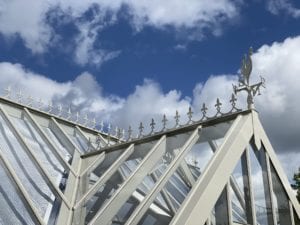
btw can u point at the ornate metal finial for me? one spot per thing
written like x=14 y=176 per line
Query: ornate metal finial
x=218 y=107
x=101 y=126
x=116 y=131
x=108 y=134
x=244 y=84
x=94 y=123
x=119 y=134
x=50 y=106
x=30 y=100
x=190 y=115
x=77 y=117
x=141 y=129
x=152 y=126
x=129 y=133
x=233 y=103
x=69 y=113
x=164 y=122
x=86 y=119
x=19 y=96
x=176 y=117
x=59 y=108
x=40 y=104
x=204 y=111
x=123 y=134
x=7 y=92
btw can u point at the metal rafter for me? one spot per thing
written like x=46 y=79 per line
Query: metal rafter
x=82 y=134
x=34 y=159
x=49 y=143
x=109 y=210
x=25 y=197
x=107 y=174
x=218 y=171
x=163 y=179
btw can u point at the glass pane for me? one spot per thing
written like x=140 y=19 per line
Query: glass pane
x=261 y=187
x=220 y=212
x=12 y=210
x=281 y=201
x=296 y=218
x=240 y=192
x=43 y=198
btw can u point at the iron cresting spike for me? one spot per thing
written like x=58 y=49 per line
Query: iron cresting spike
x=190 y=115
x=7 y=92
x=204 y=112
x=218 y=107
x=152 y=126
x=164 y=122
x=177 y=116
x=129 y=138
x=141 y=129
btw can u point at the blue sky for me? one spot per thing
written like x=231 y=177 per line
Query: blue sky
x=110 y=59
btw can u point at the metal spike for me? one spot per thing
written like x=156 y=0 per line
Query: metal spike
x=94 y=123
x=233 y=103
x=7 y=92
x=19 y=96
x=69 y=113
x=218 y=106
x=40 y=104
x=101 y=126
x=152 y=126
x=119 y=134
x=190 y=115
x=129 y=133
x=164 y=122
x=77 y=117
x=141 y=129
x=30 y=100
x=116 y=131
x=204 y=111
x=59 y=108
x=123 y=134
x=86 y=119
x=108 y=128
x=50 y=106
x=177 y=116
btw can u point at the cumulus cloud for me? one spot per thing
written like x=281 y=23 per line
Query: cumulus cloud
x=278 y=106
x=277 y=7
x=31 y=21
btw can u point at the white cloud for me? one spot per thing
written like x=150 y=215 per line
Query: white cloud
x=278 y=106
x=283 y=6
x=30 y=21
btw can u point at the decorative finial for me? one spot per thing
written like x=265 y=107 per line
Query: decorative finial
x=176 y=117
x=50 y=106
x=244 y=83
x=69 y=113
x=7 y=92
x=204 y=112
x=129 y=133
x=152 y=126
x=77 y=117
x=190 y=115
x=86 y=119
x=19 y=96
x=94 y=123
x=30 y=100
x=218 y=107
x=40 y=104
x=164 y=122
x=101 y=126
x=141 y=129
x=233 y=103
x=59 y=108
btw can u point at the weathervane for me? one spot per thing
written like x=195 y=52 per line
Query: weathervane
x=244 y=85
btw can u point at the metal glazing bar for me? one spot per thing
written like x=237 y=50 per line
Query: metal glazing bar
x=34 y=158
x=229 y=206
x=110 y=209
x=164 y=178
x=26 y=199
x=217 y=171
x=49 y=143
x=82 y=134
x=108 y=173
x=292 y=213
x=251 y=191
x=270 y=182
x=233 y=182
x=94 y=164
x=61 y=134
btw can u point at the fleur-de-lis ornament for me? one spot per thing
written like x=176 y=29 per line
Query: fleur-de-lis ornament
x=218 y=106
x=30 y=100
x=101 y=126
x=190 y=115
x=40 y=104
x=141 y=130
x=204 y=112
x=50 y=106
x=69 y=113
x=152 y=126
x=19 y=96
x=129 y=138
x=164 y=122
x=176 y=117
x=7 y=92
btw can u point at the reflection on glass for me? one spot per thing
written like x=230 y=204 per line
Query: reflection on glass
x=240 y=193
x=281 y=201
x=296 y=218
x=220 y=212
x=12 y=209
x=261 y=187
